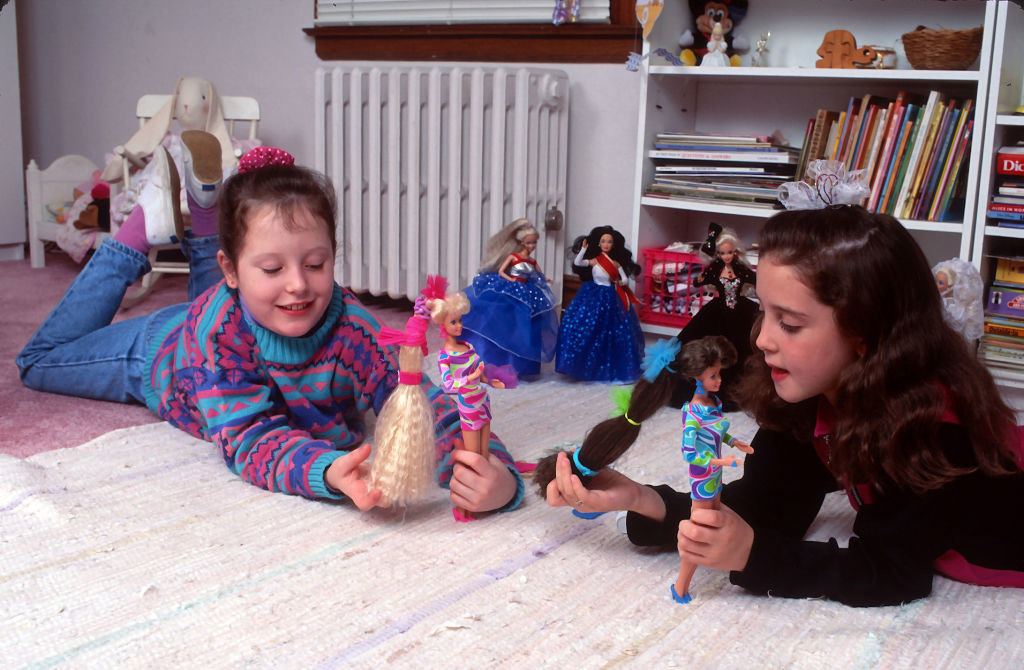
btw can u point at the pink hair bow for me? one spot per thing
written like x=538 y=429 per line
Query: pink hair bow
x=261 y=157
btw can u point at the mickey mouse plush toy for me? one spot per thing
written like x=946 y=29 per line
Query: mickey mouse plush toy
x=706 y=14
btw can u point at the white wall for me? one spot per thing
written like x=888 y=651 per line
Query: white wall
x=12 y=169
x=85 y=63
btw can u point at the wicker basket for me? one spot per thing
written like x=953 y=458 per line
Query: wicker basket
x=928 y=49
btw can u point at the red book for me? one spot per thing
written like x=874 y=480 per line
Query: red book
x=1000 y=207
x=882 y=169
x=1010 y=160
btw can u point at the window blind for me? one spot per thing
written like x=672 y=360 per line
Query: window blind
x=390 y=12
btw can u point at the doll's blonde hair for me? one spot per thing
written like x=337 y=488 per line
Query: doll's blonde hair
x=403 y=463
x=506 y=241
x=453 y=304
x=728 y=235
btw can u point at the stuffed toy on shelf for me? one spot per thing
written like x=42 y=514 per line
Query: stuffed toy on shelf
x=706 y=14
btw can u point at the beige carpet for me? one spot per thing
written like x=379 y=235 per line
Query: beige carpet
x=140 y=550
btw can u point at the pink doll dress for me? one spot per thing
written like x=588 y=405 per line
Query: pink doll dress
x=474 y=405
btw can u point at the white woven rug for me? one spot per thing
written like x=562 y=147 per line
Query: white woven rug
x=140 y=549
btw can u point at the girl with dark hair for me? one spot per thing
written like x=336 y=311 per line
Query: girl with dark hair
x=599 y=337
x=274 y=362
x=857 y=383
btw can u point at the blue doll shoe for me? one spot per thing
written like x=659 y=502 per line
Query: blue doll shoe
x=682 y=600
x=587 y=515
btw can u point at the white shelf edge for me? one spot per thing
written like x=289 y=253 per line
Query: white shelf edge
x=865 y=74
x=1005 y=378
x=701 y=206
x=655 y=329
x=1010 y=119
x=999 y=231
x=764 y=213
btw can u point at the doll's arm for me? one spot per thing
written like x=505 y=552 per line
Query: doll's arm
x=691 y=451
x=448 y=382
x=504 y=266
x=579 y=261
x=737 y=443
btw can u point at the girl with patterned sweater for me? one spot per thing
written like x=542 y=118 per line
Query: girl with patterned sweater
x=276 y=365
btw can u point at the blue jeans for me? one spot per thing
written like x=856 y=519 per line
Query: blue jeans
x=79 y=352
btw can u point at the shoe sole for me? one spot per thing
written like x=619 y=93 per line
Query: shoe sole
x=175 y=190
x=205 y=151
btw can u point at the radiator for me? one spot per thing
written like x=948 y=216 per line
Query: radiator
x=429 y=162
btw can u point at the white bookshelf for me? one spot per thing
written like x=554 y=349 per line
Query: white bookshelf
x=784 y=95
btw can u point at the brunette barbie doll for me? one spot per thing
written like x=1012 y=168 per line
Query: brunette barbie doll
x=704 y=431
x=462 y=373
x=512 y=319
x=599 y=338
x=729 y=313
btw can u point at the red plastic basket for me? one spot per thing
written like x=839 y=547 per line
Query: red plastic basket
x=668 y=294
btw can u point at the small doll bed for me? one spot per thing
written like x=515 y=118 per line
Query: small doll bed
x=49 y=192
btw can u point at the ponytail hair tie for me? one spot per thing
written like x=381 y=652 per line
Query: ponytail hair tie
x=261 y=157
x=410 y=378
x=658 y=357
x=626 y=415
x=581 y=469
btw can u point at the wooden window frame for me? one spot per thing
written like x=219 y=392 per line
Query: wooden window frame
x=527 y=43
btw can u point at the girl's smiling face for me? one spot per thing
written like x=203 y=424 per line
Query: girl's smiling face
x=801 y=341
x=285 y=275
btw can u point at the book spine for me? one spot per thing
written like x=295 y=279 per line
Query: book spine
x=1006 y=331
x=929 y=155
x=947 y=196
x=900 y=166
x=740 y=157
x=886 y=157
x=925 y=126
x=1004 y=215
x=1002 y=207
x=954 y=133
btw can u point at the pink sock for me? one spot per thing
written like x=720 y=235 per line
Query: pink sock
x=204 y=219
x=133 y=231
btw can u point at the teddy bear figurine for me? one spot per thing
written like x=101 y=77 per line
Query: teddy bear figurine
x=706 y=14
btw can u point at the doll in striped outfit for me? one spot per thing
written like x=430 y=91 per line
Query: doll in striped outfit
x=463 y=374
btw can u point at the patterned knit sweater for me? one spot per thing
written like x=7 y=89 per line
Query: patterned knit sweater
x=282 y=409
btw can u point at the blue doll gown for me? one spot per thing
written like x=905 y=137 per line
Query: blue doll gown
x=599 y=339
x=512 y=322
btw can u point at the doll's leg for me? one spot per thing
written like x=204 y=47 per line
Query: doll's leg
x=471 y=440
x=485 y=440
x=77 y=351
x=681 y=589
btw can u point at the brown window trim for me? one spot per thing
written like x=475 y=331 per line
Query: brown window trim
x=528 y=43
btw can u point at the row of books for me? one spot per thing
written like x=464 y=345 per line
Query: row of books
x=912 y=149
x=1006 y=205
x=1002 y=343
x=740 y=169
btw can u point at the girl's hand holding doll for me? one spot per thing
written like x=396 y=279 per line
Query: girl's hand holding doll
x=715 y=538
x=480 y=483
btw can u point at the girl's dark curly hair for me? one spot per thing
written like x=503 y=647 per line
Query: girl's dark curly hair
x=890 y=400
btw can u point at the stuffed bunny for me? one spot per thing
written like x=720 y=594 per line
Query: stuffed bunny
x=196 y=106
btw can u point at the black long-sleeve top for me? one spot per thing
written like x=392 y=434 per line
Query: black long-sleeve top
x=900 y=538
